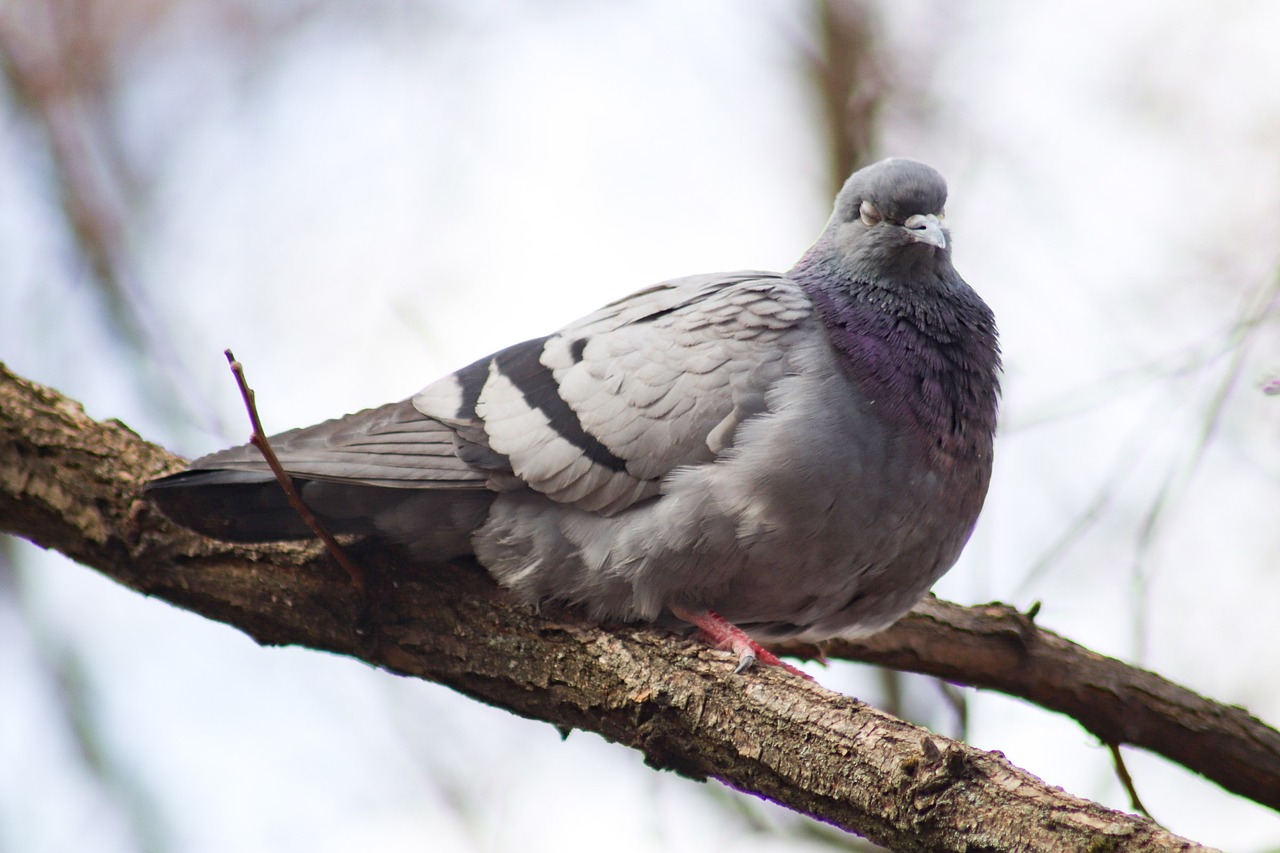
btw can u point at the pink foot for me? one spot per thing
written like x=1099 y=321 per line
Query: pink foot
x=723 y=634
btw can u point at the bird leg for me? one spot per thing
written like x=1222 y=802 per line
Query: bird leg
x=723 y=634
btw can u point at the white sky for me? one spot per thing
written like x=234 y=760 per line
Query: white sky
x=384 y=197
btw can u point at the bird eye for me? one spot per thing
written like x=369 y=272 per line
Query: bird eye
x=868 y=213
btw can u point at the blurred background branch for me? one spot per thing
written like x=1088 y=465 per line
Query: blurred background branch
x=853 y=81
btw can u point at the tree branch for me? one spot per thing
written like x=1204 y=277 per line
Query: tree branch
x=70 y=483
x=994 y=646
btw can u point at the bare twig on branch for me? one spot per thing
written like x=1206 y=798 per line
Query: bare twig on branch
x=70 y=483
x=259 y=440
x=1125 y=779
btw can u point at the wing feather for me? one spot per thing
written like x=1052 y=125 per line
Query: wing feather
x=594 y=416
x=392 y=445
x=597 y=414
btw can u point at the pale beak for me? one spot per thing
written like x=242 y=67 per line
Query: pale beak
x=926 y=228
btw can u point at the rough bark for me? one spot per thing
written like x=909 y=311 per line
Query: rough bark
x=70 y=483
x=996 y=647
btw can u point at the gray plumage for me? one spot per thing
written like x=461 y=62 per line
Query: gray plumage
x=804 y=454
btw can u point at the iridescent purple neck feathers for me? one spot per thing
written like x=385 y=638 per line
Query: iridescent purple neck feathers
x=922 y=348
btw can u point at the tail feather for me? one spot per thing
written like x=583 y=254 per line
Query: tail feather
x=390 y=472
x=393 y=445
x=250 y=506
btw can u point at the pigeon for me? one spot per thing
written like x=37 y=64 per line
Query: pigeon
x=765 y=456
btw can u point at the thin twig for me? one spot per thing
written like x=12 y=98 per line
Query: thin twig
x=1127 y=781
x=260 y=441
x=1180 y=475
x=958 y=701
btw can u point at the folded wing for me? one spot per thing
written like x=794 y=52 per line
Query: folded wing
x=593 y=416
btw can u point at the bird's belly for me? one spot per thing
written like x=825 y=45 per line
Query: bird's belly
x=824 y=519
x=842 y=538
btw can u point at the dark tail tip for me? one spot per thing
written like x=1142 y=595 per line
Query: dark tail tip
x=235 y=506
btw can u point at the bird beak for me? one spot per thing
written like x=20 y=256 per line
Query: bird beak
x=926 y=229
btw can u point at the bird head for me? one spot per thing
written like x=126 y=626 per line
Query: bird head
x=887 y=221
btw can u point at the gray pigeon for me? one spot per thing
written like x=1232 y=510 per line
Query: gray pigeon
x=795 y=455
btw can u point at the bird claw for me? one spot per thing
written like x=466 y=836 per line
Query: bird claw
x=723 y=634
